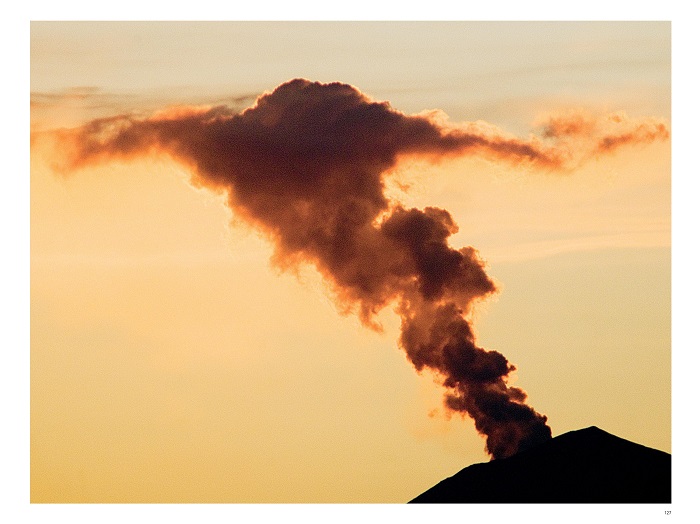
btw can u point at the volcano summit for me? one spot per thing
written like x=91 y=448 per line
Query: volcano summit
x=584 y=466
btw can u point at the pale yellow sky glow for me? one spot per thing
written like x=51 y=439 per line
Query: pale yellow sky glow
x=171 y=362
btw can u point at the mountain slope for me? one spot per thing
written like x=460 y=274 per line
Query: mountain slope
x=584 y=466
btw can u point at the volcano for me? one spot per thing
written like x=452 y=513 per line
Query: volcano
x=583 y=466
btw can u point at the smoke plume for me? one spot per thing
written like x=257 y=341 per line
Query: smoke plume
x=306 y=165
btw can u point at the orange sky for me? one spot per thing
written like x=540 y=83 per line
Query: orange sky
x=171 y=362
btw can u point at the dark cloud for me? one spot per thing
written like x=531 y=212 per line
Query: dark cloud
x=306 y=165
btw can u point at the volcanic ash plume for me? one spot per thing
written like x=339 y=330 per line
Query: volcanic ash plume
x=305 y=165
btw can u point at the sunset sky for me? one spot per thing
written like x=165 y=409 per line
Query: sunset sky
x=173 y=361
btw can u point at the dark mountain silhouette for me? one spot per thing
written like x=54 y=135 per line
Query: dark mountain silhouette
x=584 y=466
